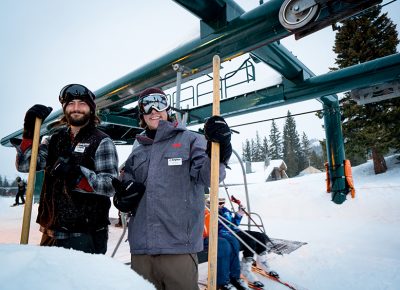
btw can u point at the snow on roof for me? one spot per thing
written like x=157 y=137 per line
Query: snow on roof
x=309 y=170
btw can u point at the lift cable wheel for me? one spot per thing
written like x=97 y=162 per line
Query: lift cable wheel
x=295 y=14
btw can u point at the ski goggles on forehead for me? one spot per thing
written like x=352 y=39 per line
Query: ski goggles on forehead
x=71 y=92
x=159 y=102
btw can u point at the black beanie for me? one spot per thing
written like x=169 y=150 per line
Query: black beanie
x=76 y=91
x=150 y=91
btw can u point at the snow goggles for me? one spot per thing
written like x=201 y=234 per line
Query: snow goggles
x=159 y=102
x=75 y=91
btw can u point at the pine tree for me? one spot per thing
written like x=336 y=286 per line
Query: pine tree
x=246 y=151
x=317 y=161
x=291 y=146
x=252 y=150
x=5 y=182
x=275 y=148
x=265 y=148
x=1 y=181
x=305 y=151
x=371 y=127
x=258 y=149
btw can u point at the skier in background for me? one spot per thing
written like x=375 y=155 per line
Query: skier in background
x=21 y=191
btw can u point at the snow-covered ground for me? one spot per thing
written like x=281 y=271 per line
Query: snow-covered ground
x=350 y=246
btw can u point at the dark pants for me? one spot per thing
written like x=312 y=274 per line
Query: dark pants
x=252 y=243
x=228 y=264
x=20 y=194
x=168 y=272
x=93 y=243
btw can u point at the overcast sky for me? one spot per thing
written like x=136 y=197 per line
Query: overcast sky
x=46 y=44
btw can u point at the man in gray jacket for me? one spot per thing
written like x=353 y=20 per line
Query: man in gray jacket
x=163 y=183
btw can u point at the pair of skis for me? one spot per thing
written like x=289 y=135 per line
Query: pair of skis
x=258 y=270
x=256 y=286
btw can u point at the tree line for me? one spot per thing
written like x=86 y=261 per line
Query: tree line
x=5 y=183
x=296 y=152
x=7 y=187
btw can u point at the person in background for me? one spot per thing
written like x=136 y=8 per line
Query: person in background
x=249 y=238
x=163 y=186
x=79 y=163
x=21 y=191
x=228 y=264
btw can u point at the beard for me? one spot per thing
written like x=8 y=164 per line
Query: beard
x=78 y=121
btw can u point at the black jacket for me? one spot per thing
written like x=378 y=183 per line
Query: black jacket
x=62 y=207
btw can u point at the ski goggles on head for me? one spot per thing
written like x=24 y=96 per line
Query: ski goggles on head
x=75 y=91
x=159 y=102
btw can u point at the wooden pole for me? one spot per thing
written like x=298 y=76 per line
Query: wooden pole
x=214 y=185
x=26 y=222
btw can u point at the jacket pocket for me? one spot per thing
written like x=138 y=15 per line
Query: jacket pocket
x=139 y=168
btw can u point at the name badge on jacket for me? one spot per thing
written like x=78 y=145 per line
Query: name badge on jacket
x=81 y=147
x=174 y=161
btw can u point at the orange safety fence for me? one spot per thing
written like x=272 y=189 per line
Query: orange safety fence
x=328 y=179
x=349 y=177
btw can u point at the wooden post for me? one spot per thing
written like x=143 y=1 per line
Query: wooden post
x=26 y=222
x=214 y=185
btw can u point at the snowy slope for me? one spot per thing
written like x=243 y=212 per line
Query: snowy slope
x=350 y=246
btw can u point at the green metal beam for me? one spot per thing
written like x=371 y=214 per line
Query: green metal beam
x=373 y=72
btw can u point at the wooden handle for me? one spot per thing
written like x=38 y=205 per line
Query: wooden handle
x=214 y=185
x=26 y=222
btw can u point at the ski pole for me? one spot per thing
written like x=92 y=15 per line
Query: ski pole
x=26 y=221
x=214 y=184
x=124 y=225
x=226 y=224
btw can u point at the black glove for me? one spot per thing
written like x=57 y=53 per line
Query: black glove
x=127 y=195
x=37 y=111
x=216 y=130
x=225 y=152
x=67 y=169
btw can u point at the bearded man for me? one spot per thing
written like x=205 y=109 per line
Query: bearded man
x=79 y=162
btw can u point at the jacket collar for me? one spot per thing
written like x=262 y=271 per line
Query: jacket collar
x=165 y=130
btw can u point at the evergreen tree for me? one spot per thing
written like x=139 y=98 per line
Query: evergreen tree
x=258 y=149
x=305 y=151
x=275 y=148
x=14 y=183
x=317 y=161
x=5 y=182
x=1 y=181
x=291 y=146
x=265 y=148
x=252 y=149
x=246 y=151
x=371 y=127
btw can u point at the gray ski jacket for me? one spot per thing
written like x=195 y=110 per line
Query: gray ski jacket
x=175 y=169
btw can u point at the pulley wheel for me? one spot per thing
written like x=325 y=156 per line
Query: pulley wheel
x=292 y=19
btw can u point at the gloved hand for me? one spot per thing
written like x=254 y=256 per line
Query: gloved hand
x=127 y=195
x=216 y=130
x=225 y=152
x=241 y=210
x=67 y=169
x=38 y=111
